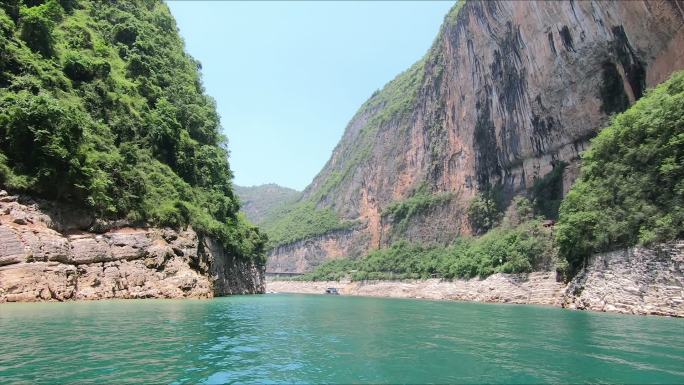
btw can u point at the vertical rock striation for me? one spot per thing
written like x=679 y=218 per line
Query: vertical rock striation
x=509 y=91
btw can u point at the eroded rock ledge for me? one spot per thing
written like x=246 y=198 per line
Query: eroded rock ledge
x=637 y=280
x=647 y=281
x=45 y=256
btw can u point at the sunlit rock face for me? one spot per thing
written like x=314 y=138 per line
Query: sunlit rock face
x=636 y=280
x=509 y=90
x=45 y=254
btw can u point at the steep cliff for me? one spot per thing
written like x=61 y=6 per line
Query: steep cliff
x=47 y=253
x=101 y=108
x=509 y=92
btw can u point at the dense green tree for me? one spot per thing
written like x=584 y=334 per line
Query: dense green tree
x=44 y=136
x=37 y=26
x=547 y=192
x=101 y=107
x=631 y=187
x=483 y=213
x=517 y=249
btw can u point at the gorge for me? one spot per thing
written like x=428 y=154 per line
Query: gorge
x=500 y=109
x=493 y=118
x=508 y=93
x=534 y=156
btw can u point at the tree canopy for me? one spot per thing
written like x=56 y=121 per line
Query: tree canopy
x=100 y=106
x=631 y=187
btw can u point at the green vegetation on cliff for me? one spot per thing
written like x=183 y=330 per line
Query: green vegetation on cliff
x=101 y=107
x=394 y=104
x=631 y=187
x=301 y=220
x=483 y=212
x=422 y=201
x=306 y=218
x=630 y=191
x=521 y=244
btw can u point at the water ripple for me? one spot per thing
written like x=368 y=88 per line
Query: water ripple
x=321 y=339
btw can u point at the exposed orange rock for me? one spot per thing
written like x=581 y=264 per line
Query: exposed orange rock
x=508 y=91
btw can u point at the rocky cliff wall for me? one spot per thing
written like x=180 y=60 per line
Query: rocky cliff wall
x=305 y=255
x=45 y=255
x=635 y=281
x=646 y=281
x=509 y=90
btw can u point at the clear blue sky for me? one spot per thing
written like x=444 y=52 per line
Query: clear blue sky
x=288 y=76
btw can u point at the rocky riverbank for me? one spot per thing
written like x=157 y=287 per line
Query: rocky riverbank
x=52 y=253
x=647 y=281
x=535 y=288
x=635 y=281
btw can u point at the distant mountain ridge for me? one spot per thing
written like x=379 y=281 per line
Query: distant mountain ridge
x=258 y=202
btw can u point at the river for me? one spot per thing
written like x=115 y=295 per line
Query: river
x=331 y=339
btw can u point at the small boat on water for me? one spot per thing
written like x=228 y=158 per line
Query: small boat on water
x=332 y=291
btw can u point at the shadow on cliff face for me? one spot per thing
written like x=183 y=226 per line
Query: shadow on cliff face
x=625 y=69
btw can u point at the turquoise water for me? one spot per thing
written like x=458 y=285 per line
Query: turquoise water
x=315 y=339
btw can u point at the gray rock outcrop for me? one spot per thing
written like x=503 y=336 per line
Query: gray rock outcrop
x=46 y=257
x=636 y=280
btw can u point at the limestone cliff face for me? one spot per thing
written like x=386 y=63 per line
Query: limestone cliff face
x=638 y=280
x=302 y=255
x=634 y=281
x=45 y=256
x=509 y=90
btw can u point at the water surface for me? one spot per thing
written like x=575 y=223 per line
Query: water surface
x=315 y=339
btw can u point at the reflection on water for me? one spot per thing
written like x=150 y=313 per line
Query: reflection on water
x=313 y=339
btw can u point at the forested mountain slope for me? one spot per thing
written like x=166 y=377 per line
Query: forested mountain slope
x=502 y=104
x=260 y=201
x=101 y=109
x=114 y=174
